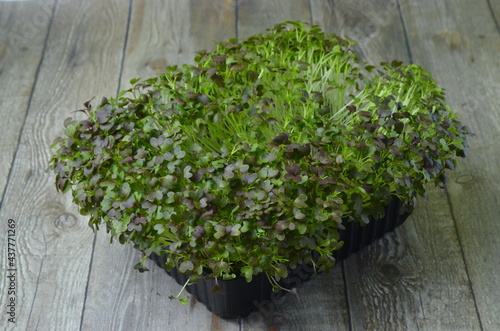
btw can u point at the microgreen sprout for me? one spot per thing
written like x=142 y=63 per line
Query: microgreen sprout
x=249 y=160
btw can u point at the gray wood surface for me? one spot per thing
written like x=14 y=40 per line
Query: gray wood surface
x=439 y=271
x=54 y=244
x=255 y=16
x=21 y=47
x=465 y=45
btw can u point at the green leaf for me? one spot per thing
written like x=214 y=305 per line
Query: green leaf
x=297 y=214
x=186 y=266
x=235 y=230
x=267 y=172
x=245 y=227
x=134 y=80
x=301 y=227
x=106 y=204
x=220 y=231
x=281 y=271
x=160 y=228
x=141 y=267
x=300 y=201
x=247 y=272
x=396 y=63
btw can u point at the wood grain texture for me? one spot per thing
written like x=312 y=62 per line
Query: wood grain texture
x=413 y=278
x=255 y=16
x=494 y=7
x=54 y=245
x=461 y=53
x=119 y=297
x=24 y=30
x=318 y=305
x=374 y=25
x=170 y=32
x=211 y=21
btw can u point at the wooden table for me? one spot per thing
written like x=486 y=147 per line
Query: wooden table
x=439 y=271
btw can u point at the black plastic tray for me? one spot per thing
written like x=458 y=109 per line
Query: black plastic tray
x=238 y=298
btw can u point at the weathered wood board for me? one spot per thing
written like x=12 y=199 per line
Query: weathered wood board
x=54 y=244
x=255 y=16
x=459 y=51
x=22 y=42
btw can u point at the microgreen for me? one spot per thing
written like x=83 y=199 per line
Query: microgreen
x=249 y=160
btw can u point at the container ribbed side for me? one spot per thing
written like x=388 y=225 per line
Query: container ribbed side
x=356 y=236
x=238 y=298
x=231 y=299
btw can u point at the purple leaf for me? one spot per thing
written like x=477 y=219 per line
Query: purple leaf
x=292 y=169
x=128 y=159
x=249 y=179
x=282 y=138
x=103 y=115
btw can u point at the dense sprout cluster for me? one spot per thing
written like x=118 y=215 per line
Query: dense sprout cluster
x=250 y=159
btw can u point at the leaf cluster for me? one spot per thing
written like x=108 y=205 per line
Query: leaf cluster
x=250 y=159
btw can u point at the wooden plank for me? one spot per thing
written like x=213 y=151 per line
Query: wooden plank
x=413 y=278
x=460 y=44
x=494 y=7
x=54 y=244
x=410 y=278
x=255 y=16
x=212 y=21
x=319 y=304
x=368 y=23
x=24 y=30
x=119 y=297
x=160 y=35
